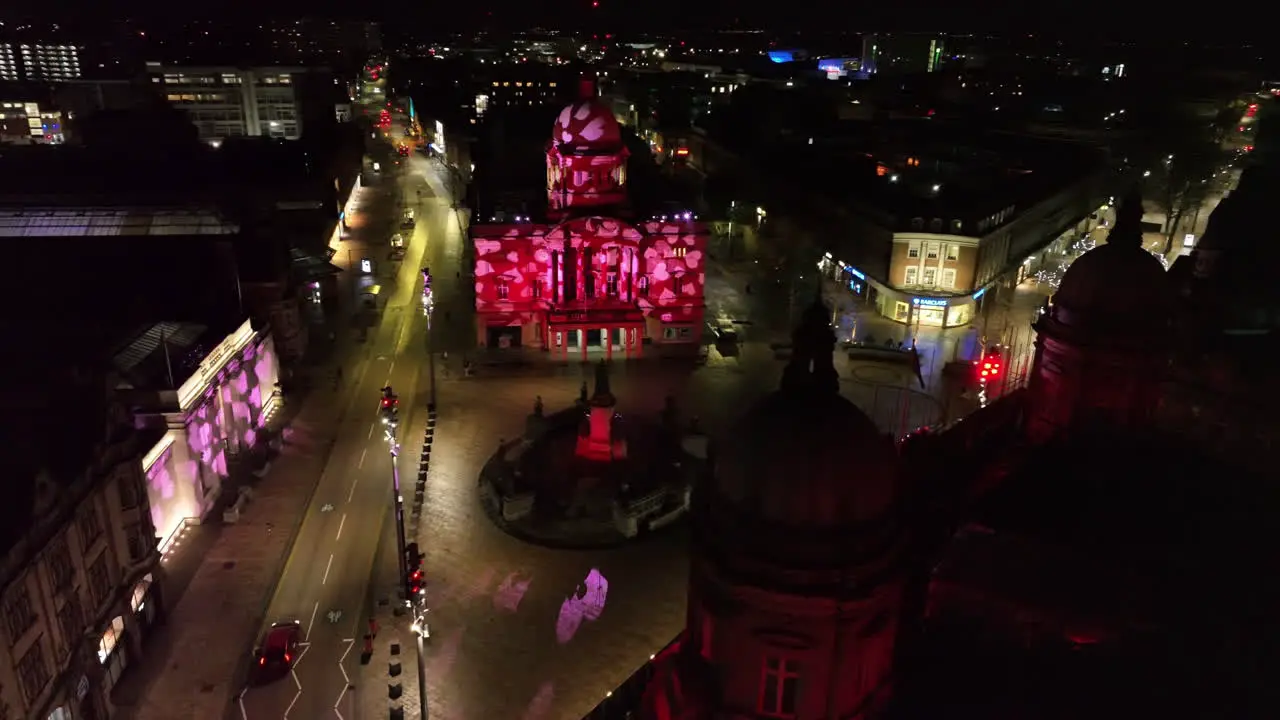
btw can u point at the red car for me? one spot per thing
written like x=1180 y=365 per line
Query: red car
x=279 y=650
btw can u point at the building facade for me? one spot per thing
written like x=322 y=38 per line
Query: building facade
x=582 y=280
x=80 y=593
x=230 y=101
x=39 y=62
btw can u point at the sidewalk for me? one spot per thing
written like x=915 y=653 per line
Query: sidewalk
x=195 y=664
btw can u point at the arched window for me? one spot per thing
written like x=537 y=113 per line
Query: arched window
x=935 y=225
x=957 y=226
x=917 y=223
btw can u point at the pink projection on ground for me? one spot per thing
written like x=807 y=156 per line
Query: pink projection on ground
x=511 y=592
x=584 y=606
x=540 y=706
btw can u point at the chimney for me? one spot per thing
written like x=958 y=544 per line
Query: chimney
x=586 y=88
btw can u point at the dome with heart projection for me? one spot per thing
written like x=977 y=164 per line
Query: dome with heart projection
x=586 y=124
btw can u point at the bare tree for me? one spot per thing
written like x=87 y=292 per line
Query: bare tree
x=1181 y=181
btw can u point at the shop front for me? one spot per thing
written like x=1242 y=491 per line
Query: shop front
x=939 y=312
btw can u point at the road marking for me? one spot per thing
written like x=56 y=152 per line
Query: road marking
x=371 y=427
x=240 y=699
x=349 y=642
x=325 y=579
x=353 y=489
x=389 y=369
x=294 y=701
x=362 y=454
x=305 y=647
x=341 y=522
x=312 y=621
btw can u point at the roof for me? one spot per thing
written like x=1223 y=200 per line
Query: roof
x=107 y=221
x=158 y=344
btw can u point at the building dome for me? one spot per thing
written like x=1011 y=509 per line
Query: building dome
x=1118 y=284
x=587 y=124
x=804 y=457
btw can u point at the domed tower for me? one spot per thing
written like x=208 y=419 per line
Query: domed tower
x=797 y=569
x=586 y=158
x=1102 y=349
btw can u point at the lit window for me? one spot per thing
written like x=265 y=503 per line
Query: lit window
x=913 y=250
x=644 y=286
x=680 y=251
x=779 y=688
x=503 y=290
x=932 y=252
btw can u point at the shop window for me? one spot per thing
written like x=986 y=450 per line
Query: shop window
x=953 y=252
x=910 y=276
x=112 y=635
x=913 y=250
x=139 y=597
x=949 y=279
x=779 y=688
x=900 y=311
x=644 y=286
x=503 y=289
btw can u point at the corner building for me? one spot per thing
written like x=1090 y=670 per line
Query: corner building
x=797 y=572
x=585 y=276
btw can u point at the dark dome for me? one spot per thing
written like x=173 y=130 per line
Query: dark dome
x=807 y=460
x=1112 y=285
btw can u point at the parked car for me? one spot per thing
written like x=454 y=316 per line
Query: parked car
x=397 y=241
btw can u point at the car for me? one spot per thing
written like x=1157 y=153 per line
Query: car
x=397 y=241
x=397 y=253
x=279 y=650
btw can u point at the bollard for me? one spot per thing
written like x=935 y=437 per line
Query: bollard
x=373 y=627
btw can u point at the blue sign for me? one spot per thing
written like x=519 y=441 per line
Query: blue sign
x=980 y=293
x=929 y=302
x=854 y=272
x=855 y=286
x=781 y=56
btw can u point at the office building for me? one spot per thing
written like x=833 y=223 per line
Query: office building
x=226 y=101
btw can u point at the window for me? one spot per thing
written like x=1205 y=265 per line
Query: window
x=930 y=277
x=935 y=225
x=949 y=278
x=89 y=525
x=136 y=537
x=953 y=252
x=680 y=251
x=917 y=223
x=32 y=673
x=60 y=568
x=71 y=621
x=611 y=285
x=644 y=286
x=931 y=251
x=677 y=284
x=779 y=688
x=130 y=492
x=910 y=276
x=913 y=250
x=99 y=579
x=957 y=226
x=503 y=289
x=18 y=615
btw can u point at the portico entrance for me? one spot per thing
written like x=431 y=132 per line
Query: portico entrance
x=584 y=333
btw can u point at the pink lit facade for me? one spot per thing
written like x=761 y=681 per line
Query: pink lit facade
x=222 y=408
x=590 y=285
x=586 y=282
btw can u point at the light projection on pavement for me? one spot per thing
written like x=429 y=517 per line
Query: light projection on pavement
x=585 y=605
x=540 y=706
x=511 y=592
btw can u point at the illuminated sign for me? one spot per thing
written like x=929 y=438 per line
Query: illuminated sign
x=439 y=143
x=585 y=316
x=856 y=273
x=929 y=302
x=366 y=265
x=980 y=293
x=212 y=364
x=781 y=56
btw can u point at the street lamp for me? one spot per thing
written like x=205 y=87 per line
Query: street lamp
x=420 y=632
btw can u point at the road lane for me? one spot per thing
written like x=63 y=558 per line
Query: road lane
x=326 y=576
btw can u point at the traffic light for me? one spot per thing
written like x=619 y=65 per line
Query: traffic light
x=413 y=569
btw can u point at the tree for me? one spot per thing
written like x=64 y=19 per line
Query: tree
x=1181 y=181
